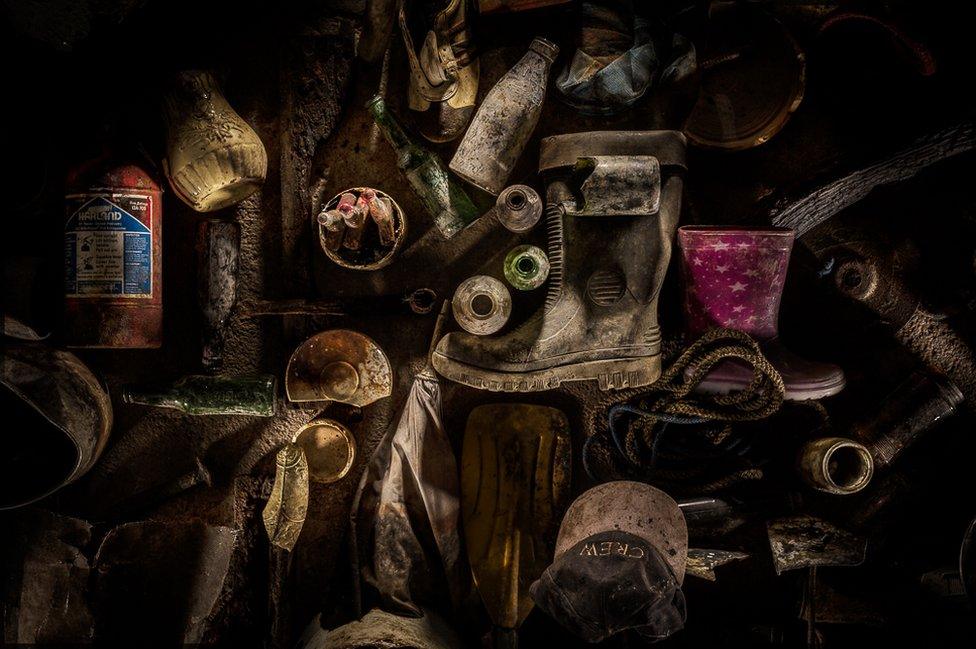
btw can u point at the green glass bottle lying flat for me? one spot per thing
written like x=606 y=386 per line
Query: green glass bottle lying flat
x=442 y=195
x=210 y=395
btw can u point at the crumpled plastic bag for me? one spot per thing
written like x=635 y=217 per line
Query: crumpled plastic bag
x=405 y=541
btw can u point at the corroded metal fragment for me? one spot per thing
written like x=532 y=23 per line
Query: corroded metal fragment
x=284 y=515
x=339 y=365
x=804 y=541
x=702 y=563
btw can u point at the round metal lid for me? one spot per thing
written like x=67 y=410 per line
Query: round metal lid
x=752 y=79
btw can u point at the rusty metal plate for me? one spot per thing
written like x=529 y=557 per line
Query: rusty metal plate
x=702 y=562
x=807 y=542
x=339 y=365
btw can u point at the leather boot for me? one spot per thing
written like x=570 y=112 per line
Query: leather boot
x=734 y=278
x=444 y=68
x=614 y=199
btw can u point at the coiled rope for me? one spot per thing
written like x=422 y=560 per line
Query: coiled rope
x=672 y=399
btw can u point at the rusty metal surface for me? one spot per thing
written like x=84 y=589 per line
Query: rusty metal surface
x=878 y=272
x=702 y=563
x=804 y=541
x=159 y=579
x=339 y=365
x=836 y=465
x=916 y=406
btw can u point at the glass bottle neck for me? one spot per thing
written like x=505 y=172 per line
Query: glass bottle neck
x=164 y=398
x=391 y=129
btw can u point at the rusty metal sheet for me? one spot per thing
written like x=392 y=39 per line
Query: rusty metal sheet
x=703 y=562
x=159 y=580
x=339 y=365
x=804 y=541
x=45 y=567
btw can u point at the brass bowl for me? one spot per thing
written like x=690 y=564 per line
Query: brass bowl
x=330 y=449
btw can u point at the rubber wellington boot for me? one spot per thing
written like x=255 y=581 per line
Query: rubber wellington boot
x=734 y=278
x=614 y=199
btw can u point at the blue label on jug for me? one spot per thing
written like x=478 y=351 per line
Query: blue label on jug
x=108 y=245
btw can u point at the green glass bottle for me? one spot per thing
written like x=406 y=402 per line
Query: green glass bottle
x=526 y=267
x=210 y=395
x=441 y=194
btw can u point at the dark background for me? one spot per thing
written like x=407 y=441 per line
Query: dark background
x=289 y=69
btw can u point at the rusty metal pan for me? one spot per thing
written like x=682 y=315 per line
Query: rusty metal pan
x=753 y=79
x=339 y=365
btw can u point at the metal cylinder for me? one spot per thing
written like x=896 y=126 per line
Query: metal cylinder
x=113 y=253
x=836 y=465
x=482 y=305
x=911 y=410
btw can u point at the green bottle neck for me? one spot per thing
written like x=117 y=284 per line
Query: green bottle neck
x=162 y=398
x=394 y=133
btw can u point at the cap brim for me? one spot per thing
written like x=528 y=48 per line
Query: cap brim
x=632 y=507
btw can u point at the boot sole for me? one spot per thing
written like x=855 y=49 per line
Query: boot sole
x=610 y=374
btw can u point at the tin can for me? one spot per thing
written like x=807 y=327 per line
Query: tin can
x=370 y=252
x=113 y=265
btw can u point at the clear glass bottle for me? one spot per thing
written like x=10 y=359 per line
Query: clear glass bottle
x=505 y=121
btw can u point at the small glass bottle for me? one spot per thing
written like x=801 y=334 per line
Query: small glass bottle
x=443 y=196
x=526 y=267
x=210 y=395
